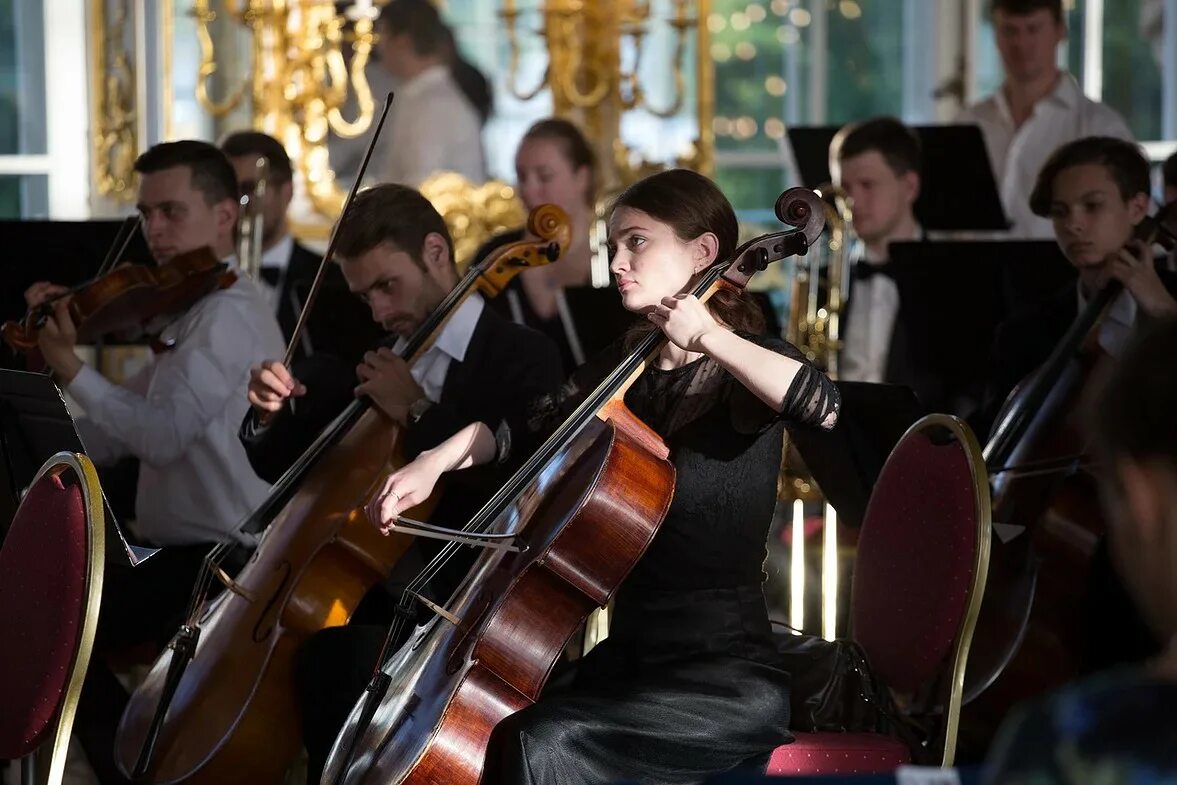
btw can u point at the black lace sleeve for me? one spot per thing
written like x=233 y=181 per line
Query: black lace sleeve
x=812 y=399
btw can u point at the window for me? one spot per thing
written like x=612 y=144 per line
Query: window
x=775 y=66
x=43 y=147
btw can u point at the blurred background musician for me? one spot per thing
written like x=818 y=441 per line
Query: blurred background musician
x=340 y=324
x=179 y=417
x=554 y=164
x=1119 y=726
x=1094 y=191
x=397 y=256
x=1037 y=108
x=879 y=170
x=442 y=101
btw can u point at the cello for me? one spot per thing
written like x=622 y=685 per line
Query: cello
x=574 y=521
x=1047 y=521
x=317 y=558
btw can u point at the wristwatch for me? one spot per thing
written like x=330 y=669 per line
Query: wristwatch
x=418 y=408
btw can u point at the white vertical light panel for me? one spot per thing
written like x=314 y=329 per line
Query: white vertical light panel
x=829 y=574
x=1093 y=49
x=819 y=45
x=67 y=108
x=797 y=569
x=1169 y=72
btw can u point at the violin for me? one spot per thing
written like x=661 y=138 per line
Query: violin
x=558 y=540
x=128 y=297
x=1047 y=521
x=219 y=705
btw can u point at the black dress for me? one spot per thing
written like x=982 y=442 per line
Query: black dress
x=687 y=683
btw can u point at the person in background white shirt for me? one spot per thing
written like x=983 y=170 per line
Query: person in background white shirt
x=879 y=169
x=1037 y=109
x=179 y=417
x=436 y=119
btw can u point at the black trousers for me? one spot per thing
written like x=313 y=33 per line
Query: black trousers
x=144 y=604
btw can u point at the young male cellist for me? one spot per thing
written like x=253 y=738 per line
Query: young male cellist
x=1096 y=192
x=179 y=417
x=397 y=256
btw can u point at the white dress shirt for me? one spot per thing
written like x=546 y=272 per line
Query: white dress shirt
x=432 y=128
x=430 y=369
x=277 y=256
x=1115 y=331
x=870 y=319
x=179 y=416
x=1018 y=154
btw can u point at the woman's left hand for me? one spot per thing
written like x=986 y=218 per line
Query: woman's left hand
x=684 y=320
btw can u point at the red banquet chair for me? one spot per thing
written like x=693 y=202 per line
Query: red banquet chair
x=919 y=575
x=50 y=584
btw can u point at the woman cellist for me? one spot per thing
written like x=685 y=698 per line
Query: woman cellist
x=686 y=684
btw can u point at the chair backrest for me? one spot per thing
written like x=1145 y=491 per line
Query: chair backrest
x=50 y=585
x=922 y=560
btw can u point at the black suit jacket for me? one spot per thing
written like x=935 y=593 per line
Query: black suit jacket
x=1024 y=341
x=339 y=324
x=506 y=367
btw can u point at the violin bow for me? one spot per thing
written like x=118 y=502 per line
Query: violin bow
x=321 y=273
x=121 y=241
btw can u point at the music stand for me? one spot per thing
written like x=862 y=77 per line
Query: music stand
x=952 y=297
x=958 y=191
x=34 y=425
x=846 y=461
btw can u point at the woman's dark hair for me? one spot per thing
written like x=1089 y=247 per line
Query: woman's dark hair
x=420 y=20
x=691 y=205
x=1123 y=160
x=573 y=146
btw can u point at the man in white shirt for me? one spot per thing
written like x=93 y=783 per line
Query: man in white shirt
x=879 y=169
x=179 y=417
x=1037 y=109
x=339 y=324
x=436 y=121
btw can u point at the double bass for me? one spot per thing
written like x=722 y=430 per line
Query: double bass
x=231 y=716
x=1047 y=521
x=573 y=522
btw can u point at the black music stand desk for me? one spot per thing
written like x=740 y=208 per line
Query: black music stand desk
x=34 y=425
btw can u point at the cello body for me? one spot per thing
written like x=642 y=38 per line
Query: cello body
x=234 y=717
x=586 y=521
x=1047 y=526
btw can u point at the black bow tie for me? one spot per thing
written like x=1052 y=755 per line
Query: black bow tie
x=864 y=271
x=271 y=274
